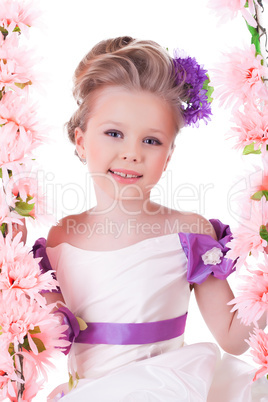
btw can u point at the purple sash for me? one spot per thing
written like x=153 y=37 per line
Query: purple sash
x=123 y=333
x=133 y=333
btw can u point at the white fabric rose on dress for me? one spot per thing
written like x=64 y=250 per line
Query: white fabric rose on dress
x=212 y=256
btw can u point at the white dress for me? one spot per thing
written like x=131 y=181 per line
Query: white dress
x=144 y=282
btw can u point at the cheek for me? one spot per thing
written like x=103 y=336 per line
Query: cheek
x=96 y=156
x=161 y=163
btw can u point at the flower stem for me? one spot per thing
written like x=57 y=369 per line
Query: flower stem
x=262 y=35
x=20 y=386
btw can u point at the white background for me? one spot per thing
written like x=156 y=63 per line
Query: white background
x=205 y=172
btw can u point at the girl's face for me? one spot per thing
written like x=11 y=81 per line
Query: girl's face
x=128 y=141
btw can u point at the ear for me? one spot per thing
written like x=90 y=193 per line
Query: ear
x=169 y=157
x=79 y=141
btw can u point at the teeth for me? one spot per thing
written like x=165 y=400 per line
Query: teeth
x=125 y=175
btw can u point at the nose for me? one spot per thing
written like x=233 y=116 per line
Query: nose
x=131 y=153
x=130 y=158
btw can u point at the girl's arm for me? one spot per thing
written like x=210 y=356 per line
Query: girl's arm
x=212 y=297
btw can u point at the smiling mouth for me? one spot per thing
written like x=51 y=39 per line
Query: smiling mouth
x=125 y=175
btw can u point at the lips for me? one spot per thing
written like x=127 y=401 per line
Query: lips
x=125 y=173
x=124 y=176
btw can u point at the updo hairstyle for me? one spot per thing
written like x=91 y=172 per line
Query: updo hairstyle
x=129 y=63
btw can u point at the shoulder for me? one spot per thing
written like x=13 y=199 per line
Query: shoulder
x=188 y=222
x=62 y=231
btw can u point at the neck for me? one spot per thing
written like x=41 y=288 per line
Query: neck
x=132 y=207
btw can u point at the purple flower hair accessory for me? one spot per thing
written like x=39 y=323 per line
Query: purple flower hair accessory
x=196 y=94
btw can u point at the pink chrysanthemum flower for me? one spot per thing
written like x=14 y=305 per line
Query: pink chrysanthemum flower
x=239 y=78
x=18 y=14
x=20 y=131
x=7 y=373
x=28 y=321
x=15 y=63
x=31 y=385
x=251 y=127
x=259 y=344
x=54 y=342
x=20 y=273
x=7 y=216
x=246 y=238
x=252 y=299
x=4 y=208
x=30 y=199
x=228 y=9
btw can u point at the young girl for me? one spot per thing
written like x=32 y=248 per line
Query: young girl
x=127 y=266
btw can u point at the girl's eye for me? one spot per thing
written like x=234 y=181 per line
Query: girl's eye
x=152 y=141
x=113 y=133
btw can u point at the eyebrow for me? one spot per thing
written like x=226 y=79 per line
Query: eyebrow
x=117 y=123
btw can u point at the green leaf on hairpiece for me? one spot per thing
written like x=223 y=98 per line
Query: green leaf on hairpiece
x=208 y=88
x=249 y=149
x=263 y=232
x=259 y=194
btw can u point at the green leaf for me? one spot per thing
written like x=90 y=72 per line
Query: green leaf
x=23 y=208
x=11 y=350
x=25 y=344
x=72 y=383
x=23 y=85
x=39 y=344
x=249 y=149
x=9 y=173
x=82 y=323
x=16 y=29
x=3 y=228
x=4 y=31
x=263 y=232
x=259 y=194
x=36 y=330
x=255 y=38
x=208 y=88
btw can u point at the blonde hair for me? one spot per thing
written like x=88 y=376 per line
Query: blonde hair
x=126 y=62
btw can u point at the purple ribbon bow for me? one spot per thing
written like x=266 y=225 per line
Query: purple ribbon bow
x=196 y=245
